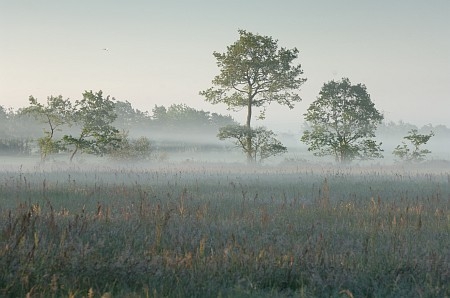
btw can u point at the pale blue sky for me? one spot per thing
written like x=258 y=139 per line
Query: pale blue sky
x=160 y=52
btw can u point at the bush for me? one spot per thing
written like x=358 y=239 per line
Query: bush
x=133 y=149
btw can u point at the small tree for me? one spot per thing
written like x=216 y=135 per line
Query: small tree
x=132 y=149
x=264 y=144
x=416 y=154
x=94 y=116
x=342 y=122
x=56 y=113
x=254 y=72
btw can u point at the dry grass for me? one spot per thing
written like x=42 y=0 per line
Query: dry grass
x=210 y=232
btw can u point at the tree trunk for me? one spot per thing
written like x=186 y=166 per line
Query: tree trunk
x=73 y=153
x=249 y=144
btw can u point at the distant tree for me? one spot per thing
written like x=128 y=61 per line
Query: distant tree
x=182 y=117
x=127 y=116
x=264 y=144
x=159 y=114
x=342 y=122
x=182 y=114
x=4 y=121
x=391 y=129
x=218 y=120
x=132 y=149
x=415 y=154
x=3 y=114
x=94 y=115
x=254 y=72
x=16 y=132
x=56 y=113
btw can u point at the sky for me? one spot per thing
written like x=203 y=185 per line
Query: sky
x=160 y=52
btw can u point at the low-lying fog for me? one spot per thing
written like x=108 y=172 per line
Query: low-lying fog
x=188 y=146
x=208 y=148
x=179 y=149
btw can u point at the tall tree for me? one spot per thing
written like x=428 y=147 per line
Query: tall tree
x=94 y=115
x=343 y=121
x=255 y=72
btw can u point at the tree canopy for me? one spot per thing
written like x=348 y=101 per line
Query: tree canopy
x=127 y=116
x=94 y=115
x=343 y=120
x=255 y=72
x=182 y=117
x=56 y=113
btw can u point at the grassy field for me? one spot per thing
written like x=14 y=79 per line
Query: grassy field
x=207 y=230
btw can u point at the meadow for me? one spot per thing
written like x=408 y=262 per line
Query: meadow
x=224 y=230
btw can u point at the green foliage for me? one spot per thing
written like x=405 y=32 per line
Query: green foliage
x=159 y=114
x=263 y=145
x=132 y=149
x=254 y=72
x=22 y=130
x=218 y=120
x=94 y=115
x=127 y=116
x=48 y=145
x=415 y=154
x=342 y=122
x=56 y=113
x=180 y=114
x=183 y=117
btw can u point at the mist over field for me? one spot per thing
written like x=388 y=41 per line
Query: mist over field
x=224 y=149
x=191 y=217
x=182 y=227
x=204 y=146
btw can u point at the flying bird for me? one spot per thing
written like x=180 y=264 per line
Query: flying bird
x=105 y=49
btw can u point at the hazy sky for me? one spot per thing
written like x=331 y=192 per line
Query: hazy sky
x=160 y=52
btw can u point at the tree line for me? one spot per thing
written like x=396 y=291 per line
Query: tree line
x=38 y=125
x=254 y=72
x=98 y=125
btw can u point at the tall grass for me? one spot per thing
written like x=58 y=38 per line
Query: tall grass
x=221 y=231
